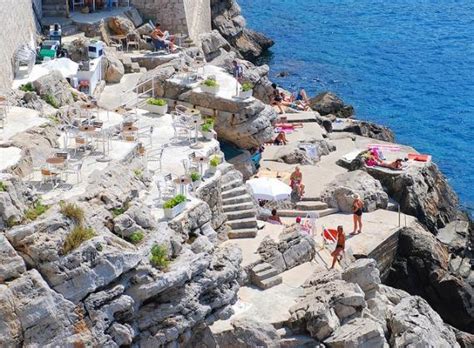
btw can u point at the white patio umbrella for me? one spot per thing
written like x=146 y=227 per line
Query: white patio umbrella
x=65 y=66
x=270 y=189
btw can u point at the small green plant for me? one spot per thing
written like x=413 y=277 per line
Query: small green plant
x=215 y=161
x=210 y=83
x=54 y=119
x=173 y=202
x=157 y=102
x=207 y=126
x=35 y=211
x=72 y=211
x=247 y=86
x=136 y=237
x=159 y=257
x=76 y=237
x=27 y=87
x=138 y=173
x=195 y=176
x=3 y=187
x=119 y=211
x=11 y=222
x=51 y=100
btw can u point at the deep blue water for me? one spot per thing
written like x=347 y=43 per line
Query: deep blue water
x=407 y=64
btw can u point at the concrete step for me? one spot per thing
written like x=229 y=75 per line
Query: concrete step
x=135 y=67
x=241 y=214
x=296 y=213
x=242 y=233
x=262 y=267
x=242 y=223
x=236 y=199
x=311 y=205
x=234 y=192
x=231 y=185
x=54 y=13
x=239 y=206
x=269 y=273
x=309 y=198
x=269 y=282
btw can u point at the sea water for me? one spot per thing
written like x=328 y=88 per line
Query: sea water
x=406 y=64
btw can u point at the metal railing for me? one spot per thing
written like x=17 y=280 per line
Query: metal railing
x=138 y=92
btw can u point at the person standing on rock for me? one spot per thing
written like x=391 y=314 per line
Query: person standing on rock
x=340 y=246
x=357 y=207
x=238 y=73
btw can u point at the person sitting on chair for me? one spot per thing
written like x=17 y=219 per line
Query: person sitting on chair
x=160 y=37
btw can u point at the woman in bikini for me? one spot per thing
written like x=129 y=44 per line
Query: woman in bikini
x=357 y=207
x=296 y=181
x=340 y=246
x=280 y=139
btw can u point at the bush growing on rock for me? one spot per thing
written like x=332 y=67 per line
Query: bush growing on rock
x=27 y=87
x=35 y=211
x=159 y=257
x=51 y=100
x=78 y=235
x=157 y=102
x=173 y=202
x=136 y=237
x=210 y=83
x=72 y=211
x=3 y=187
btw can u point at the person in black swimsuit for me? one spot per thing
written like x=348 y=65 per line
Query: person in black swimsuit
x=357 y=207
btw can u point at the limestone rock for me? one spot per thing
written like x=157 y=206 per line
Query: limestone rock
x=33 y=314
x=55 y=87
x=211 y=44
x=360 y=333
x=121 y=25
x=363 y=272
x=78 y=50
x=414 y=323
x=371 y=130
x=423 y=192
x=13 y=201
x=249 y=333
x=339 y=193
x=114 y=69
x=133 y=14
x=293 y=155
x=421 y=268
x=328 y=103
x=11 y=264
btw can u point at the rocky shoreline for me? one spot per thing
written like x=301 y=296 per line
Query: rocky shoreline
x=108 y=292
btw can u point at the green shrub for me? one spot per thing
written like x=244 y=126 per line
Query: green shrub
x=35 y=211
x=247 y=86
x=173 y=202
x=51 y=100
x=11 y=222
x=195 y=176
x=136 y=237
x=3 y=187
x=54 y=119
x=27 y=87
x=119 y=211
x=215 y=161
x=159 y=257
x=76 y=237
x=72 y=211
x=210 y=83
x=157 y=102
x=208 y=125
x=138 y=173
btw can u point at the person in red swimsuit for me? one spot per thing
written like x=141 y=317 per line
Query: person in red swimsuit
x=340 y=246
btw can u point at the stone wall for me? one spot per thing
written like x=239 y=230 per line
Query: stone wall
x=192 y=17
x=18 y=27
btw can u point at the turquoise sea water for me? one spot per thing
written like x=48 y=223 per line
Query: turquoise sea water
x=407 y=64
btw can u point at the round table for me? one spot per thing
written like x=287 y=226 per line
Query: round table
x=88 y=108
x=200 y=160
x=182 y=181
x=55 y=160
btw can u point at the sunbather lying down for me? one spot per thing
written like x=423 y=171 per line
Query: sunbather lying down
x=396 y=165
x=289 y=125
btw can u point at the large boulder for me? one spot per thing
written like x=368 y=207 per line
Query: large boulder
x=114 y=69
x=121 y=25
x=421 y=191
x=78 y=49
x=227 y=19
x=360 y=333
x=363 y=272
x=371 y=130
x=421 y=268
x=291 y=154
x=340 y=192
x=248 y=333
x=414 y=323
x=11 y=264
x=212 y=43
x=328 y=103
x=54 y=89
x=14 y=198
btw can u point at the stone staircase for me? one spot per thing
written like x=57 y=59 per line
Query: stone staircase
x=240 y=210
x=54 y=8
x=308 y=206
x=264 y=276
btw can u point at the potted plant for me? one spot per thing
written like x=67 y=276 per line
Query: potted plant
x=157 y=106
x=210 y=85
x=213 y=163
x=195 y=179
x=174 y=206
x=246 y=90
x=207 y=129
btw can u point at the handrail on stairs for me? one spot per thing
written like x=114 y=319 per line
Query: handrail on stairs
x=137 y=92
